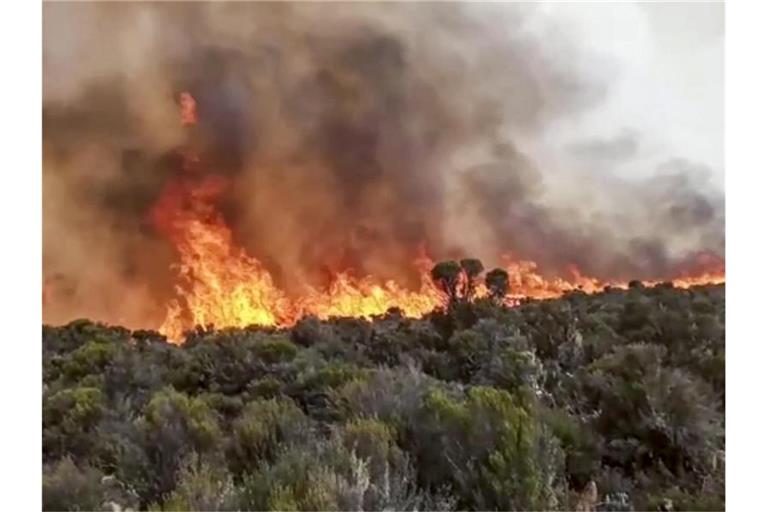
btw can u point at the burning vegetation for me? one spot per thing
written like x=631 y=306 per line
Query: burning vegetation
x=221 y=285
x=352 y=229
x=326 y=172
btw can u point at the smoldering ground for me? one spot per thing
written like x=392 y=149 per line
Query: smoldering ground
x=353 y=135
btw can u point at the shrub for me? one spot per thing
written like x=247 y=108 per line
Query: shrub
x=174 y=425
x=298 y=480
x=268 y=387
x=202 y=486
x=67 y=487
x=171 y=411
x=581 y=447
x=490 y=449
x=329 y=376
x=479 y=406
x=91 y=358
x=372 y=441
x=69 y=419
x=227 y=406
x=261 y=429
x=275 y=350
x=390 y=395
x=653 y=414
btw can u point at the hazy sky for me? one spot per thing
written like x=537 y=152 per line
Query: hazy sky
x=665 y=94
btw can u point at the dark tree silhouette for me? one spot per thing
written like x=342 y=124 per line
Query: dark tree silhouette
x=446 y=275
x=472 y=269
x=497 y=281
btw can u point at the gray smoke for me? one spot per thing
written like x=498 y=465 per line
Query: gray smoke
x=354 y=134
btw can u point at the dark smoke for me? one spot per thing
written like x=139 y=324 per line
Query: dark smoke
x=354 y=134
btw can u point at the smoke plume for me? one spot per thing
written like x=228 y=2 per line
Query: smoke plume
x=354 y=135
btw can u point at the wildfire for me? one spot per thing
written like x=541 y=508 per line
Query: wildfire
x=222 y=286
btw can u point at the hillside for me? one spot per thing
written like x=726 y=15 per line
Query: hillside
x=613 y=401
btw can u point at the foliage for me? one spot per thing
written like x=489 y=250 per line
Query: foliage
x=262 y=428
x=615 y=400
x=67 y=487
x=446 y=275
x=489 y=449
x=202 y=486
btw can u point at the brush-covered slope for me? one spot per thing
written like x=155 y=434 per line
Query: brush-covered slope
x=611 y=402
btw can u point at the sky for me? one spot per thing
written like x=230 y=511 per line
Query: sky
x=665 y=64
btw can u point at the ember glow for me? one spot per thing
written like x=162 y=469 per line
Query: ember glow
x=220 y=285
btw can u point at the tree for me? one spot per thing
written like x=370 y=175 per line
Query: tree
x=497 y=281
x=472 y=269
x=446 y=275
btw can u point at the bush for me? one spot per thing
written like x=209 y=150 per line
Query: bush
x=587 y=401
x=273 y=351
x=660 y=422
x=91 y=358
x=263 y=428
x=268 y=387
x=69 y=419
x=489 y=449
x=171 y=411
x=67 y=487
x=202 y=486
x=372 y=441
x=390 y=395
x=174 y=425
x=298 y=480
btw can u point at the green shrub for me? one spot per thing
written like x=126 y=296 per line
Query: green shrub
x=390 y=395
x=273 y=351
x=67 y=487
x=373 y=442
x=268 y=387
x=490 y=450
x=262 y=428
x=298 y=480
x=91 y=358
x=478 y=406
x=69 y=419
x=202 y=486
x=226 y=406
x=169 y=409
x=75 y=408
x=580 y=444
x=331 y=376
x=173 y=426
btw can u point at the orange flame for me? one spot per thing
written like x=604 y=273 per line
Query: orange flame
x=222 y=286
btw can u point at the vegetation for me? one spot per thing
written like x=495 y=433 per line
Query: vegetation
x=606 y=402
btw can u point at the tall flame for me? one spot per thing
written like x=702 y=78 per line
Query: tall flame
x=221 y=285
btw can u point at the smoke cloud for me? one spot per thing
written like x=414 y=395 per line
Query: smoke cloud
x=353 y=134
